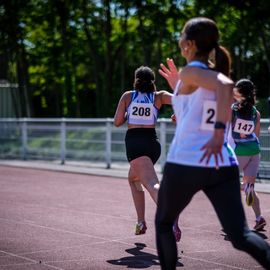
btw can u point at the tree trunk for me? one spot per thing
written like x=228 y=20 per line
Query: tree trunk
x=146 y=47
x=266 y=55
x=94 y=54
x=63 y=13
x=23 y=79
x=108 y=60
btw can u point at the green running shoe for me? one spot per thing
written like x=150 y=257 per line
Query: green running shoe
x=250 y=194
x=140 y=228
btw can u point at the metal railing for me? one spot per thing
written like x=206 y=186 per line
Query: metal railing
x=68 y=139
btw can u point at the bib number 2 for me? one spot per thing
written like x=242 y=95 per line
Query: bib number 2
x=209 y=115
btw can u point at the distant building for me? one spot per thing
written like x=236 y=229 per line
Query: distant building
x=9 y=100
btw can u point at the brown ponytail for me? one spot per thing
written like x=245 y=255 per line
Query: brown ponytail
x=144 y=80
x=222 y=60
x=205 y=33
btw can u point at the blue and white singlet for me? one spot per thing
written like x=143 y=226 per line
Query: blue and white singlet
x=196 y=114
x=142 y=110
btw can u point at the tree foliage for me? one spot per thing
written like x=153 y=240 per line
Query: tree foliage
x=75 y=58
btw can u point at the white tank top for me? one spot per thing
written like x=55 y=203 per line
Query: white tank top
x=195 y=116
x=142 y=110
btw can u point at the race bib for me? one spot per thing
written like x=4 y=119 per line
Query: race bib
x=143 y=111
x=209 y=115
x=244 y=126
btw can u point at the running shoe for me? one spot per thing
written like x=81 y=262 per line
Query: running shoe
x=260 y=224
x=140 y=228
x=250 y=194
x=177 y=232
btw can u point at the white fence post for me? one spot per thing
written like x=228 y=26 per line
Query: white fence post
x=24 y=139
x=63 y=141
x=108 y=152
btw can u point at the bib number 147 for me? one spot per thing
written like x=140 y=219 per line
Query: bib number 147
x=244 y=126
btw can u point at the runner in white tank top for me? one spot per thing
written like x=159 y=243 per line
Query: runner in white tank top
x=199 y=158
x=197 y=114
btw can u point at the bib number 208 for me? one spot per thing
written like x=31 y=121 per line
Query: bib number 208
x=141 y=111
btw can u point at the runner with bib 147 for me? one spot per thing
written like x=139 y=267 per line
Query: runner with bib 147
x=245 y=134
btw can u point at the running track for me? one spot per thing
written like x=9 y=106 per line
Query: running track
x=56 y=220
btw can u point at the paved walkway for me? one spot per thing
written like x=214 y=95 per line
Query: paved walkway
x=119 y=170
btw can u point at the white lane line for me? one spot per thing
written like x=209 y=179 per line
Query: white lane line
x=76 y=246
x=115 y=240
x=76 y=211
x=190 y=257
x=120 y=241
x=215 y=263
x=27 y=259
x=51 y=228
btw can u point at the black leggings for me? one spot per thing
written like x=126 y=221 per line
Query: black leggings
x=222 y=187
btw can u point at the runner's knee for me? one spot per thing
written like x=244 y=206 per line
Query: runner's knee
x=138 y=185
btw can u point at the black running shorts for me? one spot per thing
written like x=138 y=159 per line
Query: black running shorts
x=142 y=142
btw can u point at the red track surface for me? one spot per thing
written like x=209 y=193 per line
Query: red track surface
x=54 y=220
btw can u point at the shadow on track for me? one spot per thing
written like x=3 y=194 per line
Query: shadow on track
x=139 y=258
x=259 y=233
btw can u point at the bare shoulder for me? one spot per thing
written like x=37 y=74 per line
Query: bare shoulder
x=163 y=97
x=206 y=78
x=126 y=95
x=188 y=73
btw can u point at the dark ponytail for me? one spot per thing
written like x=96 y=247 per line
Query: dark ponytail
x=222 y=60
x=247 y=91
x=205 y=33
x=144 y=80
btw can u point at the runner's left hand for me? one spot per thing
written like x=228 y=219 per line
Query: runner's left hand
x=214 y=147
x=170 y=73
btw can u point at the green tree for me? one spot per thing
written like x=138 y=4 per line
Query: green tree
x=13 y=50
x=75 y=58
